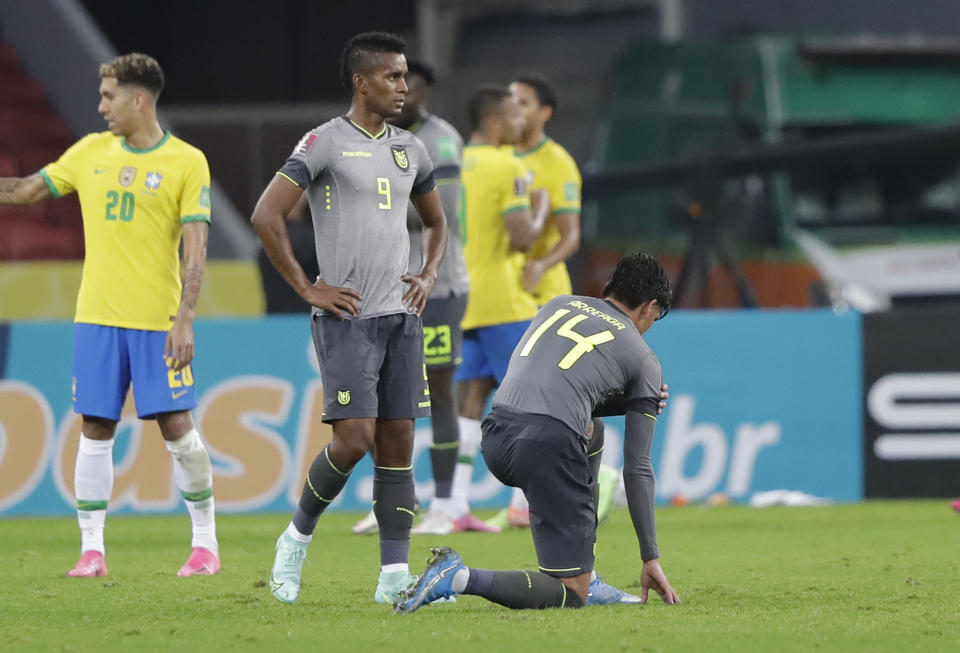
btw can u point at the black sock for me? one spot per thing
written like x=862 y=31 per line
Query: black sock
x=324 y=482
x=393 y=504
x=445 y=447
x=521 y=590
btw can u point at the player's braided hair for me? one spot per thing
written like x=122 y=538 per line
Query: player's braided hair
x=637 y=279
x=136 y=68
x=359 y=55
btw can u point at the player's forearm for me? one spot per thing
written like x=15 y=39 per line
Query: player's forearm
x=272 y=232
x=640 y=482
x=568 y=245
x=195 y=238
x=434 y=243
x=22 y=190
x=539 y=209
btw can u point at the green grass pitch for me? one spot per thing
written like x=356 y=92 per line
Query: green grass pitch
x=877 y=576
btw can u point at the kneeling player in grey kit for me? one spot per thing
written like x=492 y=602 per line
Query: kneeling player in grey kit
x=581 y=356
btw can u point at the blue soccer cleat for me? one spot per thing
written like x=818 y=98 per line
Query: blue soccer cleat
x=287 y=568
x=436 y=582
x=600 y=593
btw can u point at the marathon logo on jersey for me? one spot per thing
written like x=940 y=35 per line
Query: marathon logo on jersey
x=127 y=175
x=153 y=180
x=305 y=144
x=400 y=157
x=343 y=397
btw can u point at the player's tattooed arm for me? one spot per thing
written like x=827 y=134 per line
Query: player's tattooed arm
x=195 y=237
x=23 y=190
x=179 y=347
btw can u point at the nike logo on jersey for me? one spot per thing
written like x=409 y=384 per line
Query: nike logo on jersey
x=100 y=171
x=177 y=395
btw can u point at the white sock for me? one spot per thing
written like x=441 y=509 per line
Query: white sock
x=518 y=500
x=459 y=582
x=444 y=505
x=297 y=535
x=194 y=476
x=93 y=487
x=463 y=472
x=394 y=567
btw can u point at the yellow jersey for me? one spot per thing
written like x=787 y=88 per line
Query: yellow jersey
x=134 y=203
x=494 y=183
x=554 y=170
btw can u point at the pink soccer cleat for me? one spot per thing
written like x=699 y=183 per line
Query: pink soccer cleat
x=90 y=565
x=956 y=505
x=202 y=562
x=518 y=517
x=470 y=523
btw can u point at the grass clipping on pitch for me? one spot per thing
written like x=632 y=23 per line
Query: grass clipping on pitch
x=878 y=576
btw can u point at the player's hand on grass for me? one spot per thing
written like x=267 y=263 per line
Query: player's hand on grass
x=178 y=347
x=664 y=395
x=532 y=273
x=418 y=292
x=652 y=577
x=335 y=299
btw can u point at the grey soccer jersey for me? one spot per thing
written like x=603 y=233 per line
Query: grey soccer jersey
x=445 y=148
x=575 y=354
x=359 y=185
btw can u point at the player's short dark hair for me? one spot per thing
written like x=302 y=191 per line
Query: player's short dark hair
x=421 y=69
x=637 y=279
x=136 y=68
x=485 y=102
x=360 y=54
x=542 y=88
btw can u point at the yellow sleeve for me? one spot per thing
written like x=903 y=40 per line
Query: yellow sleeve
x=195 y=193
x=514 y=187
x=565 y=187
x=61 y=175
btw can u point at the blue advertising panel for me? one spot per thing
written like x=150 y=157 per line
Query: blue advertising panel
x=759 y=400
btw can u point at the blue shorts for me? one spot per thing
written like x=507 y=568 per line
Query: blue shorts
x=487 y=350
x=107 y=359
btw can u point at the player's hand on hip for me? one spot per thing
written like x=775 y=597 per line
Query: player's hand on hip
x=652 y=577
x=664 y=395
x=335 y=299
x=418 y=292
x=532 y=273
x=178 y=348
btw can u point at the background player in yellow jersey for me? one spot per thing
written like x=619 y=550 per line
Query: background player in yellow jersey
x=140 y=188
x=552 y=169
x=498 y=227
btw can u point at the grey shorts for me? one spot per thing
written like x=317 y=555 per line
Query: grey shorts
x=372 y=367
x=546 y=459
x=442 y=335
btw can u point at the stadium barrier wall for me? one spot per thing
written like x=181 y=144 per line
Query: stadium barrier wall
x=760 y=400
x=911 y=403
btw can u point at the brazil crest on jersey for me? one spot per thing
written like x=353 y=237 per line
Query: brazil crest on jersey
x=134 y=203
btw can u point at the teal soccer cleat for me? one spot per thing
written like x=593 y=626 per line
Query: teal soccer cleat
x=436 y=582
x=287 y=568
x=391 y=586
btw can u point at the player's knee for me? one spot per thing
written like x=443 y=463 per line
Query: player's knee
x=350 y=445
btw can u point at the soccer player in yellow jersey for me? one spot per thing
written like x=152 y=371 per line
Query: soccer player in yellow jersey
x=544 y=272
x=140 y=189
x=554 y=170
x=498 y=225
